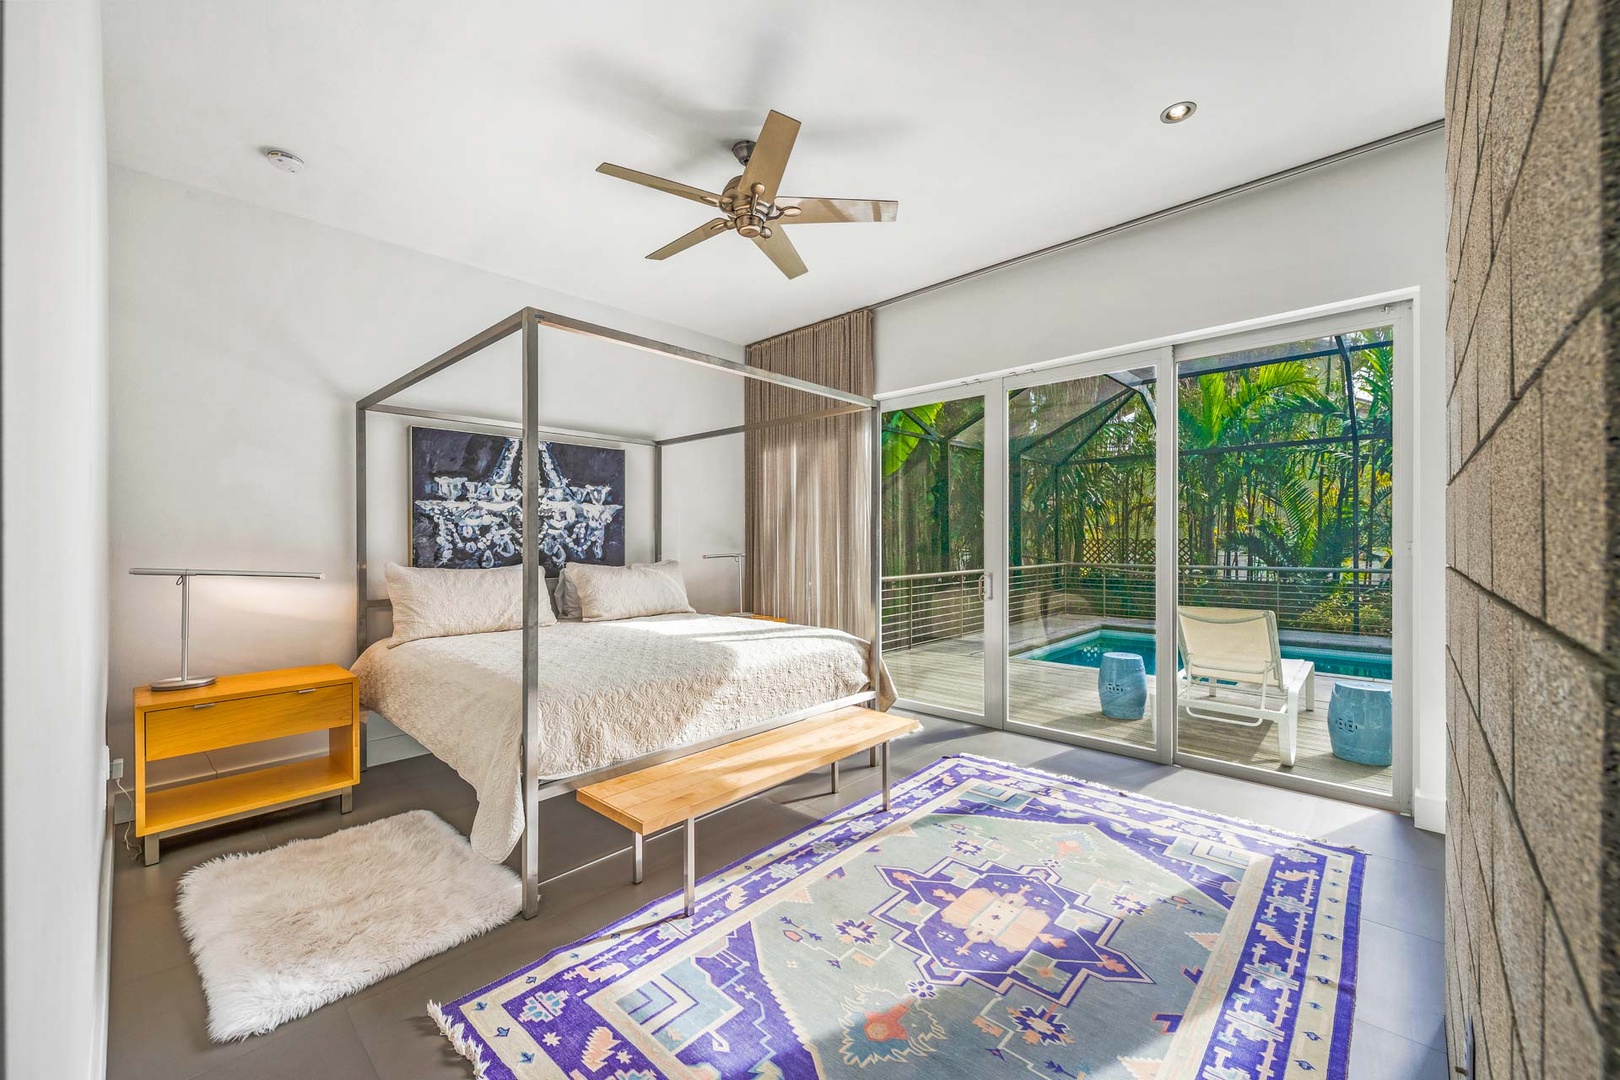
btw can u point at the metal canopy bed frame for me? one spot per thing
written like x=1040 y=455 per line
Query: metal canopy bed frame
x=529 y=323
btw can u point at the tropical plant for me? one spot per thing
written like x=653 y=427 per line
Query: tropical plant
x=1285 y=460
x=904 y=432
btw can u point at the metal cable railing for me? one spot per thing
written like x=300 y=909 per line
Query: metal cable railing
x=918 y=608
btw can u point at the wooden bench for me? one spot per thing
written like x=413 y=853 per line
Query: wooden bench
x=687 y=788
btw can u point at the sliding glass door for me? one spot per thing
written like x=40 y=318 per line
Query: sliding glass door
x=935 y=586
x=1291 y=514
x=1192 y=554
x=1082 y=522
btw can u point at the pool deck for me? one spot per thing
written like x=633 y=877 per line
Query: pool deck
x=1086 y=647
x=1063 y=697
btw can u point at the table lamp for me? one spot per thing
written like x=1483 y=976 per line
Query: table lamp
x=742 y=601
x=186 y=680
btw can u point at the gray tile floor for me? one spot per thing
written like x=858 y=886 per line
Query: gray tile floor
x=158 y=1025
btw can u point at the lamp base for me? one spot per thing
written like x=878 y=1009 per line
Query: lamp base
x=179 y=683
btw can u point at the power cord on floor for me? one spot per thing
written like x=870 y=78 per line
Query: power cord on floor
x=129 y=826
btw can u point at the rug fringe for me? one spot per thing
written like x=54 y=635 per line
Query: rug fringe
x=460 y=1040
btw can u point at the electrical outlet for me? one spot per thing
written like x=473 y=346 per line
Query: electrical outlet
x=115 y=770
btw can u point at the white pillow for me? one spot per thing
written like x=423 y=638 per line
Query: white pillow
x=567 y=595
x=629 y=592
x=446 y=603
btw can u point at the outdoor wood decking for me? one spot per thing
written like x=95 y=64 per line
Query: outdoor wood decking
x=1064 y=698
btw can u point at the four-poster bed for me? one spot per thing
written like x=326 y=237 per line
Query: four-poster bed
x=534 y=786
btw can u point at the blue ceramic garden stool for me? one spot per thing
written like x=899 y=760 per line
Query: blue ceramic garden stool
x=1122 y=686
x=1361 y=722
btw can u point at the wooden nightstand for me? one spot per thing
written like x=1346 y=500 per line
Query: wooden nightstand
x=240 y=709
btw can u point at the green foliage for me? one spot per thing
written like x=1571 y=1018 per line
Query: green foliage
x=933 y=489
x=902 y=434
x=1284 y=462
x=1286 y=465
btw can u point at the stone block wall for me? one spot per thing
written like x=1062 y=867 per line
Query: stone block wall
x=1533 y=170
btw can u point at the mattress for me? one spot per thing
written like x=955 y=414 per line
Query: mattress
x=609 y=691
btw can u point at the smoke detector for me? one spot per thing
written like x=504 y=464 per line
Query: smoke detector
x=285 y=160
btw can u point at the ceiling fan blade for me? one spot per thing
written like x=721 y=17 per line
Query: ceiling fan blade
x=658 y=183
x=818 y=211
x=770 y=157
x=780 y=250
x=691 y=239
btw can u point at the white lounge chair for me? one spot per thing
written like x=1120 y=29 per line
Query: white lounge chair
x=1236 y=649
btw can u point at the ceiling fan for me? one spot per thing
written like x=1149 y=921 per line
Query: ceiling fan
x=750 y=205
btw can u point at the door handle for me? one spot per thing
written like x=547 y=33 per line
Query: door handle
x=987 y=586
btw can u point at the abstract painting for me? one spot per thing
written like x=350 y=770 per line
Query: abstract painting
x=467 y=495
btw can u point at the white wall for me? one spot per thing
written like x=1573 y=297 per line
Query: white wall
x=241 y=338
x=1370 y=225
x=54 y=543
x=703 y=499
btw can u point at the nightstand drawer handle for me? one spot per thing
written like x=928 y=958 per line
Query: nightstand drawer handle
x=309 y=690
x=206 y=705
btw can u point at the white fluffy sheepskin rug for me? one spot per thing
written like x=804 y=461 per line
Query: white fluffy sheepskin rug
x=280 y=933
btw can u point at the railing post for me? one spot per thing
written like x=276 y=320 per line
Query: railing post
x=911 y=615
x=1355 y=602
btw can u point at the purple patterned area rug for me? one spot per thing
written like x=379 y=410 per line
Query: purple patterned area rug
x=997 y=922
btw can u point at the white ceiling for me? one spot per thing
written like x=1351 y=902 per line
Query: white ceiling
x=471 y=129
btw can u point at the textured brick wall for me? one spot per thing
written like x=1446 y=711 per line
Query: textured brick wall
x=1531 y=857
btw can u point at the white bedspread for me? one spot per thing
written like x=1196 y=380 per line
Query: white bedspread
x=608 y=692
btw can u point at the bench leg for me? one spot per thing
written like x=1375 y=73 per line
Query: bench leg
x=691 y=867
x=835 y=778
x=636 y=877
x=872 y=758
x=884 y=758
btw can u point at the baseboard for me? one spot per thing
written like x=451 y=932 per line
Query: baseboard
x=100 y=1021
x=1429 y=812
x=123 y=808
x=392 y=748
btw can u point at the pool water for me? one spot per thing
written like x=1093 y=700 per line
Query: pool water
x=1087 y=649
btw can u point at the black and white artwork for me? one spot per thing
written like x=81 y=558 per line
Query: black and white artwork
x=467 y=494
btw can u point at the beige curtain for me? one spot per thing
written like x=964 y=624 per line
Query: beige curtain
x=809 y=483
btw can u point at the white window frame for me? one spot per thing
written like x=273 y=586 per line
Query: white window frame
x=1397 y=308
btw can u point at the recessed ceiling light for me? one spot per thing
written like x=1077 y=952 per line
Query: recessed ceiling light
x=285 y=160
x=1178 y=112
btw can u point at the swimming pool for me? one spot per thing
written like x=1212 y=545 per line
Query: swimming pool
x=1086 y=651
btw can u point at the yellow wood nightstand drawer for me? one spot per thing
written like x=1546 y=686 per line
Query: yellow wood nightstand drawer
x=189 y=729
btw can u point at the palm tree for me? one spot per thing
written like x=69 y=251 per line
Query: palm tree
x=1282 y=463
x=1223 y=414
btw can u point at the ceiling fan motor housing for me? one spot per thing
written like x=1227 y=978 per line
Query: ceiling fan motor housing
x=748 y=215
